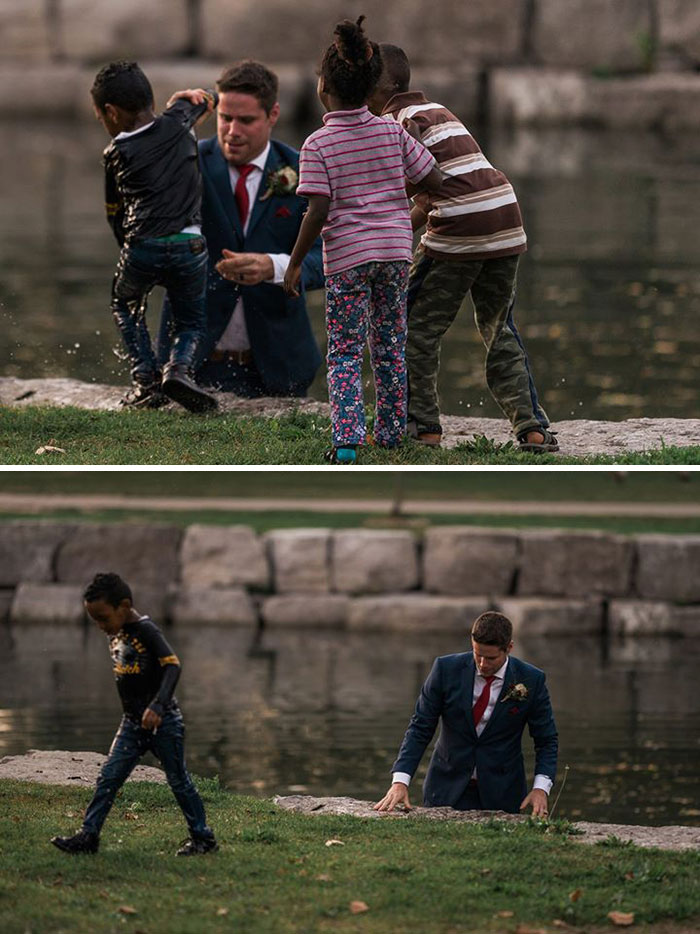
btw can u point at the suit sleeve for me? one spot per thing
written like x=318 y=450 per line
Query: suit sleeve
x=543 y=731
x=423 y=723
x=156 y=643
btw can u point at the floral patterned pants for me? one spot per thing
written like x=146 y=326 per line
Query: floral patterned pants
x=367 y=301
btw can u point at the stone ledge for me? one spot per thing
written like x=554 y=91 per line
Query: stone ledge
x=675 y=837
x=60 y=767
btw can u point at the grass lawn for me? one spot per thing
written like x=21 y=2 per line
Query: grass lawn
x=94 y=437
x=274 y=873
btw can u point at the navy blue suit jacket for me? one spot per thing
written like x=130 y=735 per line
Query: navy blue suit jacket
x=447 y=696
x=283 y=346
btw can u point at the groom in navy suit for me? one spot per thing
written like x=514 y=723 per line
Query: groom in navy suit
x=259 y=341
x=484 y=699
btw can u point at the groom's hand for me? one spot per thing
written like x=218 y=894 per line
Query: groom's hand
x=396 y=795
x=245 y=268
x=538 y=800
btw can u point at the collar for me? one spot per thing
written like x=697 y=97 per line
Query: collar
x=125 y=135
x=259 y=161
x=405 y=99
x=347 y=117
x=501 y=673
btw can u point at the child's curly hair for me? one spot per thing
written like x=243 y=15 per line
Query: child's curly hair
x=351 y=66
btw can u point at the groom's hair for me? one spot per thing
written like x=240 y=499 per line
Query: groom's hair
x=250 y=77
x=493 y=629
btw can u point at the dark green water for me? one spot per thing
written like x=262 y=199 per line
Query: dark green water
x=324 y=713
x=609 y=297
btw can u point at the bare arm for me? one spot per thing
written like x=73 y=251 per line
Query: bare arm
x=310 y=229
x=418 y=218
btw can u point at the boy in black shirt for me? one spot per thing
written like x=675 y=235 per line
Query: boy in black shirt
x=153 y=194
x=146 y=671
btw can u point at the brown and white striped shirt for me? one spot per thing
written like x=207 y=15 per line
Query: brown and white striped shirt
x=475 y=215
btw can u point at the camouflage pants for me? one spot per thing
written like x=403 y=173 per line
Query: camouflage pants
x=436 y=291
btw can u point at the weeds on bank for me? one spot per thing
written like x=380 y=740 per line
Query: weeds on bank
x=276 y=874
x=160 y=437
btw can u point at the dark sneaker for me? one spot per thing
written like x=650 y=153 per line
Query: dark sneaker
x=81 y=842
x=195 y=845
x=179 y=386
x=144 y=396
x=430 y=435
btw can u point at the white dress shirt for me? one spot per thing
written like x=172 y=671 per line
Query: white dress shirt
x=541 y=781
x=235 y=336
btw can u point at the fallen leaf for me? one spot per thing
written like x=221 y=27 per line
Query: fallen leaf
x=221 y=912
x=505 y=914
x=558 y=923
x=485 y=872
x=130 y=815
x=622 y=919
x=49 y=448
x=127 y=910
x=629 y=876
x=575 y=895
x=324 y=877
x=526 y=929
x=356 y=908
x=334 y=843
x=104 y=894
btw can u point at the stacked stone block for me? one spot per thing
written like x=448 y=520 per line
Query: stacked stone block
x=549 y=582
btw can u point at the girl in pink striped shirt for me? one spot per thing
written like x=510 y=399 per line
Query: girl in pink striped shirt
x=353 y=171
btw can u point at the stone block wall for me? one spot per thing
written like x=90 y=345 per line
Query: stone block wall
x=549 y=582
x=544 y=61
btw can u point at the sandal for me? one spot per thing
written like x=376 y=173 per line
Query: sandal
x=548 y=446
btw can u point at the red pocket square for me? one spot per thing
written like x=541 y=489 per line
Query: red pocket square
x=514 y=710
x=283 y=212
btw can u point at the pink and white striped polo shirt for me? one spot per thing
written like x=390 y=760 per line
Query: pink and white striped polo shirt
x=361 y=163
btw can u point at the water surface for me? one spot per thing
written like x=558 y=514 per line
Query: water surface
x=609 y=294
x=324 y=713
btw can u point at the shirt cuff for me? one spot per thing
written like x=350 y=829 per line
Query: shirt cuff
x=280 y=261
x=543 y=782
x=402 y=777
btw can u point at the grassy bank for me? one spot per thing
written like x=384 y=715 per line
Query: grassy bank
x=275 y=874
x=94 y=437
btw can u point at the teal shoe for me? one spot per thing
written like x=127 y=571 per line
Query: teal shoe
x=341 y=455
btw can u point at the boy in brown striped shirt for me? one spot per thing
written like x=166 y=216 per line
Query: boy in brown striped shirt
x=471 y=244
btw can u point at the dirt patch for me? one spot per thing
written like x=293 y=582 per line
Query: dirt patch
x=577 y=438
x=665 y=838
x=58 y=767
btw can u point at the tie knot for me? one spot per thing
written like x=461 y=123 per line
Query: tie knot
x=490 y=679
x=245 y=170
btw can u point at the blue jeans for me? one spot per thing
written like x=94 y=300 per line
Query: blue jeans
x=129 y=744
x=181 y=268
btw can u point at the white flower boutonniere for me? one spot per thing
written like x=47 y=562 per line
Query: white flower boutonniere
x=283 y=181
x=516 y=692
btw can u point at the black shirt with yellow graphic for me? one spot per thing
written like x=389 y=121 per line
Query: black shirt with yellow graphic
x=145 y=667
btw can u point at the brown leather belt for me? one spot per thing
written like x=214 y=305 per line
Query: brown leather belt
x=241 y=357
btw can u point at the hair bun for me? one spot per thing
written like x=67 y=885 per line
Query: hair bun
x=352 y=44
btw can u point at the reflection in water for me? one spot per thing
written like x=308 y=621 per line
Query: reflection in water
x=324 y=713
x=608 y=299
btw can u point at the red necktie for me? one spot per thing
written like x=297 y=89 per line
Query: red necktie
x=241 y=192
x=482 y=700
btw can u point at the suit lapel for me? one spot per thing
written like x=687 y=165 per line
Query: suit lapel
x=260 y=207
x=500 y=708
x=221 y=180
